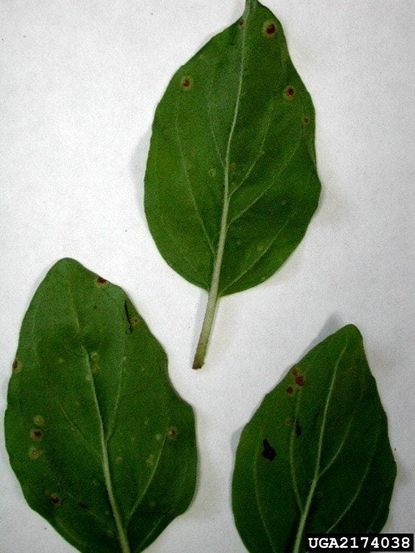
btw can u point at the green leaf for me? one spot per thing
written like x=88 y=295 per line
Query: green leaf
x=103 y=447
x=231 y=180
x=316 y=456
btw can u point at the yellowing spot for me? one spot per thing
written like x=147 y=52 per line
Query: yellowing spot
x=150 y=460
x=119 y=460
x=158 y=437
x=95 y=369
x=39 y=420
x=35 y=453
x=212 y=172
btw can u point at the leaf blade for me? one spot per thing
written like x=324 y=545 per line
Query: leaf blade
x=231 y=181
x=91 y=381
x=333 y=466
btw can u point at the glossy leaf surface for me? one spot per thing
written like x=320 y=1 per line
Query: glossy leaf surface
x=316 y=456
x=231 y=181
x=103 y=447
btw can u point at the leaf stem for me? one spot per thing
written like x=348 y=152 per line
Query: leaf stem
x=214 y=286
x=206 y=331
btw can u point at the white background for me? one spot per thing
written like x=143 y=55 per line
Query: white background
x=79 y=84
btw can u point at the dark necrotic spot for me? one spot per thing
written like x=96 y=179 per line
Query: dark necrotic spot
x=83 y=505
x=306 y=120
x=289 y=92
x=186 y=83
x=297 y=428
x=299 y=380
x=172 y=433
x=16 y=366
x=36 y=434
x=290 y=390
x=55 y=500
x=101 y=280
x=127 y=316
x=268 y=452
x=269 y=29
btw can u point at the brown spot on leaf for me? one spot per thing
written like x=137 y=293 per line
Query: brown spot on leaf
x=297 y=428
x=241 y=23
x=83 y=505
x=172 y=433
x=290 y=390
x=299 y=380
x=306 y=120
x=101 y=281
x=268 y=452
x=55 y=499
x=36 y=434
x=269 y=29
x=186 y=83
x=16 y=366
x=289 y=92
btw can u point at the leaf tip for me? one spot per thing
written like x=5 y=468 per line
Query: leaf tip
x=351 y=331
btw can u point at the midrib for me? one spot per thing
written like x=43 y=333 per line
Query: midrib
x=122 y=536
x=217 y=267
x=214 y=287
x=310 y=496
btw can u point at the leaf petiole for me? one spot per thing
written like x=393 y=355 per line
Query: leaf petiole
x=206 y=331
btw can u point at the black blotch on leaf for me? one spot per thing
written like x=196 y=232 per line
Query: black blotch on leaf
x=268 y=452
x=297 y=428
x=127 y=316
